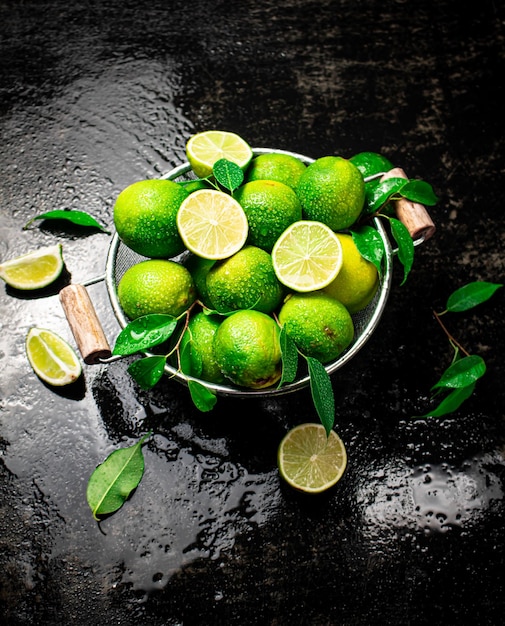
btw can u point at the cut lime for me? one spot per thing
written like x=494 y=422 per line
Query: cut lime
x=52 y=358
x=212 y=224
x=307 y=256
x=309 y=460
x=34 y=270
x=205 y=148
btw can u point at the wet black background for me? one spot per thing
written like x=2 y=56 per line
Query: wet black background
x=95 y=96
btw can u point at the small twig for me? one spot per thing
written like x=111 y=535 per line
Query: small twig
x=450 y=337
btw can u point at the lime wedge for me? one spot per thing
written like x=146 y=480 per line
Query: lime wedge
x=307 y=256
x=205 y=148
x=309 y=460
x=212 y=224
x=34 y=270
x=52 y=358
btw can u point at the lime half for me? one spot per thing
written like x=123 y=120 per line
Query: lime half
x=309 y=460
x=34 y=270
x=307 y=256
x=205 y=148
x=52 y=358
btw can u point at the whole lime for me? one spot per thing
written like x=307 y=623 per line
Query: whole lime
x=145 y=217
x=284 y=168
x=358 y=279
x=270 y=207
x=198 y=338
x=156 y=286
x=320 y=326
x=246 y=280
x=370 y=163
x=247 y=349
x=332 y=191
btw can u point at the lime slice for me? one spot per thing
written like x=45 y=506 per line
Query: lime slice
x=52 y=358
x=204 y=149
x=309 y=460
x=212 y=224
x=307 y=256
x=33 y=270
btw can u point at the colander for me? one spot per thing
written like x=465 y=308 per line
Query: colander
x=94 y=346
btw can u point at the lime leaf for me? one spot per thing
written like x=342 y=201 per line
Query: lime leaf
x=112 y=482
x=322 y=393
x=370 y=245
x=381 y=193
x=147 y=371
x=462 y=372
x=144 y=333
x=289 y=358
x=405 y=245
x=228 y=174
x=80 y=218
x=203 y=398
x=419 y=191
x=190 y=358
x=452 y=402
x=471 y=295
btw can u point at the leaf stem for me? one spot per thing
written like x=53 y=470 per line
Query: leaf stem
x=449 y=336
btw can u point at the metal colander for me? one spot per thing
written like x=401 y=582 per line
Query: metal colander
x=120 y=258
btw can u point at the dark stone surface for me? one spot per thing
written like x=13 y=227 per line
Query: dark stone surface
x=96 y=96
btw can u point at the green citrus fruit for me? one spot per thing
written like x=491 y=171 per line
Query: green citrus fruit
x=247 y=349
x=199 y=268
x=199 y=339
x=245 y=280
x=52 y=358
x=156 y=286
x=207 y=147
x=284 y=168
x=145 y=217
x=370 y=163
x=332 y=191
x=35 y=269
x=320 y=326
x=270 y=207
x=358 y=279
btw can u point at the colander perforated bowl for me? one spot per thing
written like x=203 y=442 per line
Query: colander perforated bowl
x=120 y=258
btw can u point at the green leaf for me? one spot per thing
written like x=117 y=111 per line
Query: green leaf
x=80 y=218
x=452 y=402
x=322 y=393
x=419 y=191
x=148 y=371
x=462 y=372
x=143 y=333
x=289 y=358
x=370 y=245
x=203 y=398
x=405 y=245
x=228 y=174
x=381 y=193
x=471 y=295
x=112 y=482
x=190 y=358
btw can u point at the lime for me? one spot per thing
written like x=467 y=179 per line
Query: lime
x=247 y=349
x=52 y=358
x=320 y=326
x=358 y=279
x=311 y=461
x=307 y=256
x=156 y=286
x=270 y=207
x=199 y=268
x=246 y=280
x=33 y=270
x=370 y=163
x=205 y=148
x=212 y=224
x=199 y=338
x=284 y=168
x=332 y=191
x=145 y=217
x=194 y=185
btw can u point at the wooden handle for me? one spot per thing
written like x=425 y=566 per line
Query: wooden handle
x=84 y=324
x=413 y=215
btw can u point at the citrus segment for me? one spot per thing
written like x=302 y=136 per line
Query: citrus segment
x=33 y=270
x=52 y=358
x=212 y=224
x=311 y=461
x=205 y=148
x=307 y=256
